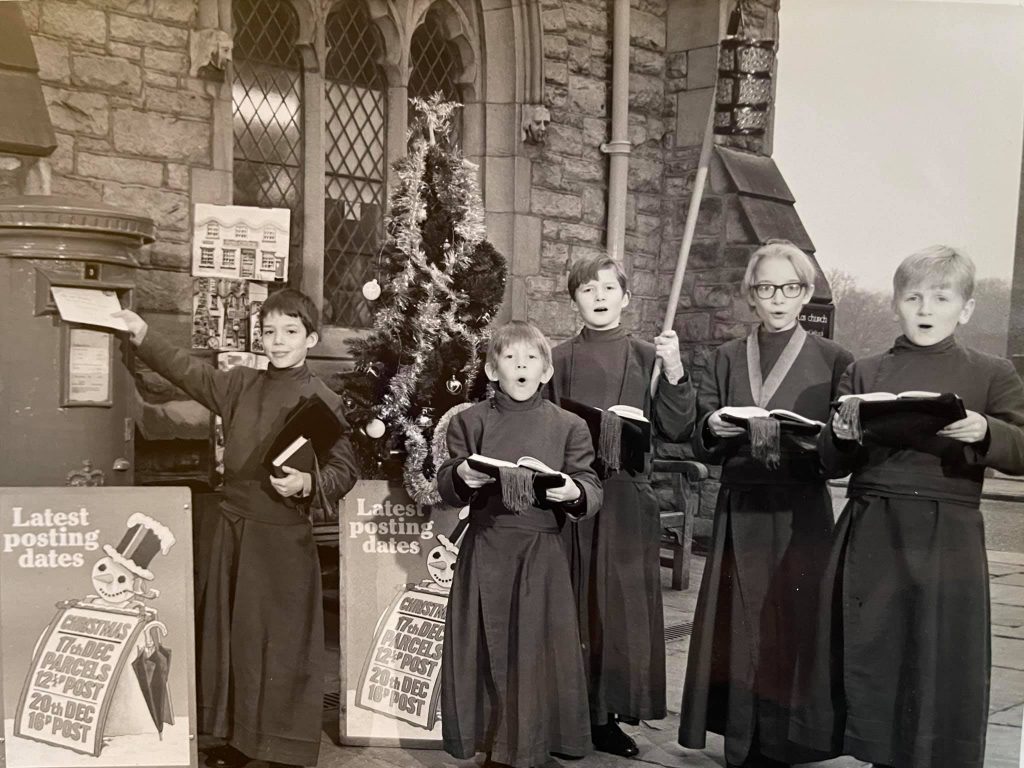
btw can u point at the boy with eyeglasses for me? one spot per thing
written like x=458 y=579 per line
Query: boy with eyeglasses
x=757 y=607
x=901 y=676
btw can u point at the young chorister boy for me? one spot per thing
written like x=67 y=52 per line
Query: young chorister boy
x=616 y=560
x=260 y=653
x=513 y=683
x=906 y=683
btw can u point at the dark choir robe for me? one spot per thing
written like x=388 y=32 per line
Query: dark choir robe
x=615 y=557
x=901 y=676
x=512 y=674
x=259 y=648
x=757 y=604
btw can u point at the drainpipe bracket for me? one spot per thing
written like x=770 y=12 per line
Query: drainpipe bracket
x=617 y=147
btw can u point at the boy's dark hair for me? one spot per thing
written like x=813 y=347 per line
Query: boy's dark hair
x=293 y=303
x=585 y=270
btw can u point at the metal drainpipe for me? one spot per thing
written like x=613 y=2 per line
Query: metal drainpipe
x=619 y=145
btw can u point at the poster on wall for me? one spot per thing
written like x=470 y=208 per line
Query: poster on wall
x=240 y=242
x=392 y=634
x=223 y=312
x=96 y=635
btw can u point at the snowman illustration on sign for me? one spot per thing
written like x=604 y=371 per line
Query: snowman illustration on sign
x=441 y=566
x=120 y=580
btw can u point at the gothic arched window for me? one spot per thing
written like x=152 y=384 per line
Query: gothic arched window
x=355 y=184
x=313 y=83
x=435 y=61
x=267 y=111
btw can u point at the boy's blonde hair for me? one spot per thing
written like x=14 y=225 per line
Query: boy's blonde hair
x=938 y=264
x=782 y=249
x=517 y=332
x=585 y=270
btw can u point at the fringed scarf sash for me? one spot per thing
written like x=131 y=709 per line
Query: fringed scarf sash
x=765 y=432
x=517 y=488
x=609 y=449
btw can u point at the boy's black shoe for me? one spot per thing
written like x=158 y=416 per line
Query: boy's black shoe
x=610 y=738
x=226 y=756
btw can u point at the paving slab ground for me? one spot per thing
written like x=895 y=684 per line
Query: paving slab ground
x=657 y=741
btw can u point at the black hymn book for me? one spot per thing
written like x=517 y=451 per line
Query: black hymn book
x=621 y=434
x=525 y=482
x=309 y=432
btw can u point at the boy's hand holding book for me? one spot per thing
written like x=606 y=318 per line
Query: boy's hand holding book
x=567 y=491
x=472 y=477
x=293 y=483
x=971 y=429
x=721 y=428
x=137 y=327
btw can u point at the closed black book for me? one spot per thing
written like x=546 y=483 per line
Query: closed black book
x=299 y=456
x=313 y=420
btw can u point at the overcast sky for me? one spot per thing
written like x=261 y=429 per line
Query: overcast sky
x=899 y=124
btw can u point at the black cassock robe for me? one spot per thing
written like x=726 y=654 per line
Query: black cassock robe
x=512 y=674
x=260 y=644
x=901 y=675
x=615 y=556
x=757 y=604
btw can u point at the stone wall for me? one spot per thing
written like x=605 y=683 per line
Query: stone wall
x=673 y=60
x=131 y=124
x=570 y=173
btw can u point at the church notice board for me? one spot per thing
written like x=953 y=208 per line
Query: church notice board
x=96 y=627
x=396 y=569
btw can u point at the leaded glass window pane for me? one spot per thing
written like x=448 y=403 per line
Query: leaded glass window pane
x=436 y=64
x=355 y=89
x=266 y=100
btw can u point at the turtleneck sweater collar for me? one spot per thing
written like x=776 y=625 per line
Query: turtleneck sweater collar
x=503 y=402
x=904 y=345
x=591 y=335
x=300 y=373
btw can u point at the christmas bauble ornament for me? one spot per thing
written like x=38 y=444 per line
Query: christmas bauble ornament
x=375 y=429
x=371 y=290
x=453 y=385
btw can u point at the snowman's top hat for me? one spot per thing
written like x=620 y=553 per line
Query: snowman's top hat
x=140 y=543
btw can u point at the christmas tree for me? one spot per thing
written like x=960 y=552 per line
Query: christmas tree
x=442 y=283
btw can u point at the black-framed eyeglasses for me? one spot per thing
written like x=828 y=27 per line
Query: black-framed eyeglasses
x=768 y=290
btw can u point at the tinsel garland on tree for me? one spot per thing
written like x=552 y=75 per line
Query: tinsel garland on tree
x=442 y=284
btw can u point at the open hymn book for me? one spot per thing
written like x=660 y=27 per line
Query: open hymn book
x=523 y=484
x=740 y=415
x=491 y=467
x=621 y=435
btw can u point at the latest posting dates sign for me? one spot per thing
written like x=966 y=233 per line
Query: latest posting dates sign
x=68 y=688
x=96 y=628
x=397 y=567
